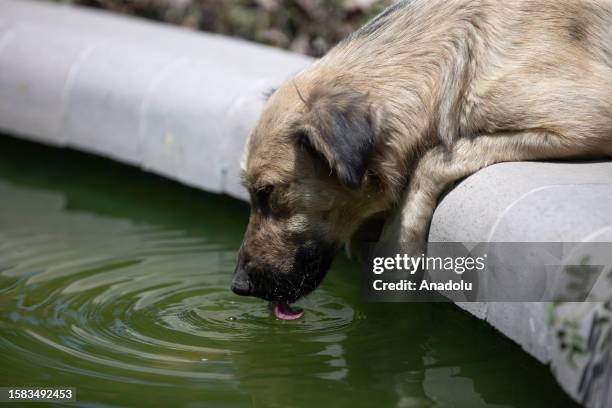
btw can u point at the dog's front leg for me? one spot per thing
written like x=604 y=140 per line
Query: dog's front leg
x=441 y=166
x=409 y=222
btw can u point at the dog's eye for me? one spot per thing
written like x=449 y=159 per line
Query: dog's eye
x=262 y=199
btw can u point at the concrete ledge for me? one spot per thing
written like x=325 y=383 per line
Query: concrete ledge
x=540 y=202
x=167 y=99
x=181 y=104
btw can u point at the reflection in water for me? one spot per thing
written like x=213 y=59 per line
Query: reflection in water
x=116 y=282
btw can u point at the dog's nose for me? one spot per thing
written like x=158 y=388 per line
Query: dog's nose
x=241 y=285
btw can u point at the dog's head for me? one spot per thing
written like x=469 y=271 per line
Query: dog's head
x=306 y=169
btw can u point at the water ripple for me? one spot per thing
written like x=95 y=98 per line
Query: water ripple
x=110 y=298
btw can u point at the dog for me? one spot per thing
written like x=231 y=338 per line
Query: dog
x=425 y=94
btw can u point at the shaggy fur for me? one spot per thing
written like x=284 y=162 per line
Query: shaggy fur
x=428 y=92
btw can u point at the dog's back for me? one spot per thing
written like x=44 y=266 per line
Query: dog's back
x=553 y=70
x=500 y=66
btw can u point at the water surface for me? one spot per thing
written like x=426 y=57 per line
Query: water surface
x=116 y=282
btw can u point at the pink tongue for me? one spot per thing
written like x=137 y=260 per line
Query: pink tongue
x=283 y=311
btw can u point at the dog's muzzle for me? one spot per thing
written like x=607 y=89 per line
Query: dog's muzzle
x=241 y=285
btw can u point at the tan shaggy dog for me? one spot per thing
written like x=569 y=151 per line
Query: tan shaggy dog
x=426 y=93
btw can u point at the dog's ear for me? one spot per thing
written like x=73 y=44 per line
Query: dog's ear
x=339 y=125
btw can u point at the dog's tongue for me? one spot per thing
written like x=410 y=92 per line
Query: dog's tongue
x=283 y=311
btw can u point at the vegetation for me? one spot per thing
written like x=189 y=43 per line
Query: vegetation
x=306 y=26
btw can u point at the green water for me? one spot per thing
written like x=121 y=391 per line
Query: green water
x=116 y=282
